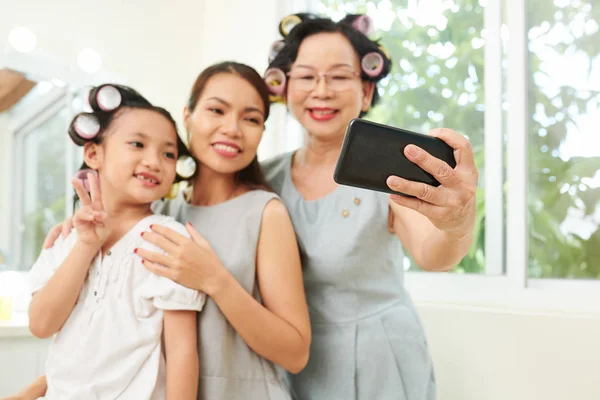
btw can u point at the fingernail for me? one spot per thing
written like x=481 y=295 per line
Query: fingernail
x=412 y=151
x=393 y=181
x=151 y=226
x=142 y=234
x=135 y=251
x=190 y=224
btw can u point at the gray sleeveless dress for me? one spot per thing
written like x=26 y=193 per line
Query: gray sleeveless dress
x=229 y=369
x=367 y=340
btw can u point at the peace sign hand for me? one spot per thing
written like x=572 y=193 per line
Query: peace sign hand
x=89 y=220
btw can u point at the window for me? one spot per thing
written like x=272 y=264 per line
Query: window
x=41 y=167
x=521 y=78
x=564 y=142
x=436 y=80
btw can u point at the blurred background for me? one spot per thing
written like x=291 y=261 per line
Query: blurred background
x=519 y=318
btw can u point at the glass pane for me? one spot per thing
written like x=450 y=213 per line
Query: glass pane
x=564 y=151
x=436 y=79
x=43 y=185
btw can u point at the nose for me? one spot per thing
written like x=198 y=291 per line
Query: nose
x=231 y=126
x=322 y=89
x=151 y=159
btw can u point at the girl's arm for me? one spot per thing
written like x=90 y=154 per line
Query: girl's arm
x=51 y=306
x=36 y=389
x=181 y=352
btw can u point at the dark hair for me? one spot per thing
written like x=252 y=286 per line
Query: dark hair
x=252 y=175
x=130 y=99
x=311 y=25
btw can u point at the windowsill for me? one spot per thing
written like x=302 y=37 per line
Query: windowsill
x=18 y=326
x=558 y=297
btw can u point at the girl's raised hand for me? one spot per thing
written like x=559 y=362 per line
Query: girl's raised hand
x=90 y=217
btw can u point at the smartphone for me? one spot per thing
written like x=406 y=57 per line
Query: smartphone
x=371 y=152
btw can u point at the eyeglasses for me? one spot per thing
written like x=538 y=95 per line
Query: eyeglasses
x=306 y=80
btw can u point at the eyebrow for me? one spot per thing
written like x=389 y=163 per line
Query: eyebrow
x=247 y=109
x=332 y=67
x=144 y=136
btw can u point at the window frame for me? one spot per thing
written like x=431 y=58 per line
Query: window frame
x=41 y=111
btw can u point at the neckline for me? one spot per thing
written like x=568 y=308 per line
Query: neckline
x=133 y=231
x=292 y=185
x=228 y=201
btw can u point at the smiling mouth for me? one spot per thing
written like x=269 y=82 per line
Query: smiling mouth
x=147 y=179
x=226 y=148
x=317 y=111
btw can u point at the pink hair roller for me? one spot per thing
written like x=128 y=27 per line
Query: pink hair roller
x=86 y=126
x=108 y=98
x=275 y=80
x=372 y=64
x=276 y=47
x=82 y=176
x=363 y=24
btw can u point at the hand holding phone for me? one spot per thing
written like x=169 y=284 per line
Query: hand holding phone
x=373 y=157
x=372 y=152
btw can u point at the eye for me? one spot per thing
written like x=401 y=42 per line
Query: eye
x=307 y=77
x=216 y=110
x=170 y=155
x=340 y=77
x=254 y=121
x=137 y=144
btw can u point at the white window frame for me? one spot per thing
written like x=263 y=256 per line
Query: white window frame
x=506 y=283
x=41 y=111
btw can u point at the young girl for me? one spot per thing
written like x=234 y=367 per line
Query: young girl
x=91 y=289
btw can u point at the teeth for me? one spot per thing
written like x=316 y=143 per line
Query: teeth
x=323 y=112
x=146 y=179
x=224 y=147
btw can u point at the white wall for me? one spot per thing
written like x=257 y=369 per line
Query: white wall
x=155 y=46
x=496 y=354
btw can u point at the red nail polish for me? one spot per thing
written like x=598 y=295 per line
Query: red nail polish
x=151 y=226
x=143 y=261
x=135 y=251
x=142 y=234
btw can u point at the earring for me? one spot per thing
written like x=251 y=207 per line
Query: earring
x=185 y=167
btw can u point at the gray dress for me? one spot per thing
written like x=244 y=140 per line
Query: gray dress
x=229 y=369
x=367 y=340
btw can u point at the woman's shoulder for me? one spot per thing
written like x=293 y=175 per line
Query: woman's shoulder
x=260 y=198
x=276 y=168
x=169 y=207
